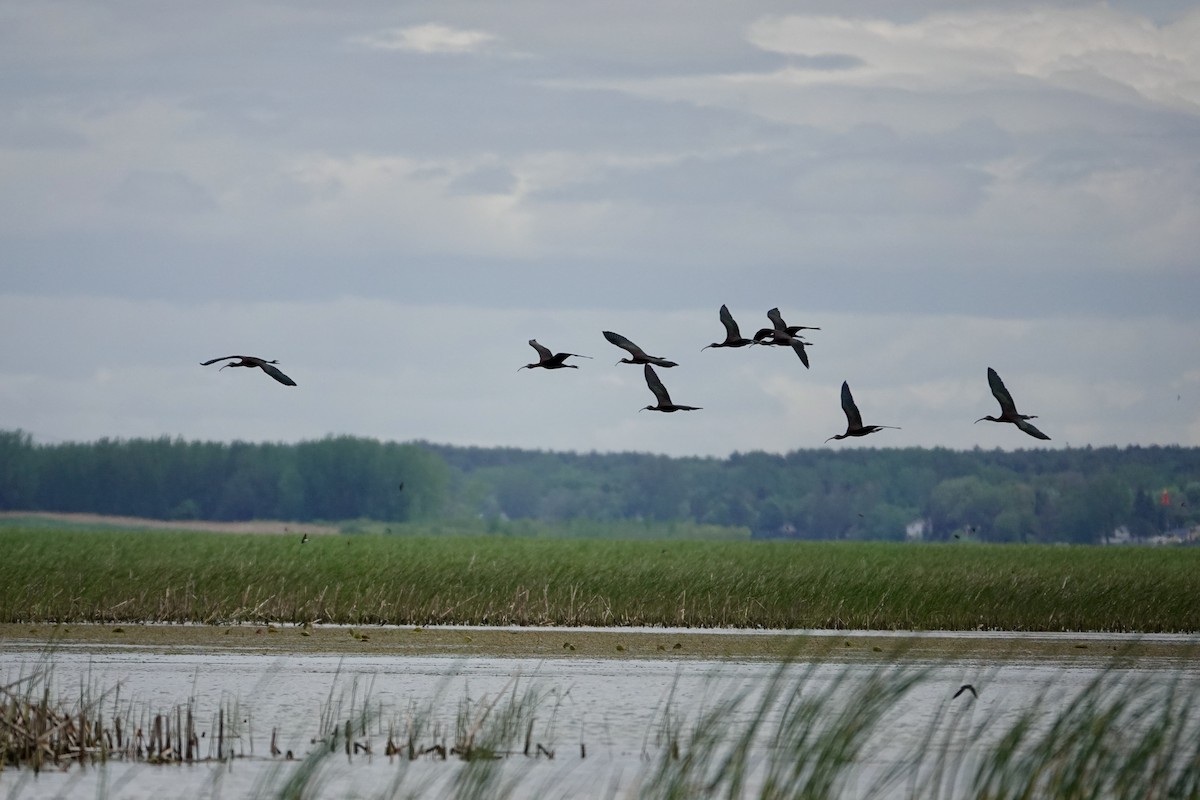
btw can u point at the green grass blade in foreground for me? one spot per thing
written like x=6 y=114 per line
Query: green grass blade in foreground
x=807 y=730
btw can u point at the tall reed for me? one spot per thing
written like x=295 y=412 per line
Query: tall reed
x=144 y=576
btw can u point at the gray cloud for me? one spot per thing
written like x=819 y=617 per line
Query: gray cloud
x=942 y=188
x=484 y=180
x=151 y=192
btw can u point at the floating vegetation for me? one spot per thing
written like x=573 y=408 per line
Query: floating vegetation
x=39 y=732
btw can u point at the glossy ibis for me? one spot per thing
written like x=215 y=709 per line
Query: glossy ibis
x=797 y=344
x=660 y=393
x=779 y=327
x=639 y=356
x=1008 y=409
x=548 y=360
x=782 y=334
x=733 y=336
x=854 y=423
x=253 y=361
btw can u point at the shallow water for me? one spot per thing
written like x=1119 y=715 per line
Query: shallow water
x=614 y=707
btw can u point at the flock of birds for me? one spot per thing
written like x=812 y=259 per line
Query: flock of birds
x=780 y=334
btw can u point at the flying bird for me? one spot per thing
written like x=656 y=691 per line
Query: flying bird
x=782 y=334
x=854 y=423
x=660 y=393
x=639 y=356
x=548 y=360
x=797 y=344
x=733 y=336
x=1008 y=409
x=966 y=687
x=304 y=539
x=779 y=327
x=253 y=361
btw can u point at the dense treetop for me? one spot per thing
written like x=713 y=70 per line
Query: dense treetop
x=1072 y=495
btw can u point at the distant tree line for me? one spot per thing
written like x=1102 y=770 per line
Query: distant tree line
x=335 y=478
x=1073 y=495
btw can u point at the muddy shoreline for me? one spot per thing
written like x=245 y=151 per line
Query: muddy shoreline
x=615 y=643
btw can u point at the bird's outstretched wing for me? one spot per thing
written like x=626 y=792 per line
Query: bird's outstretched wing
x=623 y=343
x=798 y=346
x=276 y=374
x=543 y=352
x=853 y=418
x=777 y=319
x=1027 y=426
x=731 y=327
x=215 y=360
x=656 y=386
x=1007 y=406
x=966 y=687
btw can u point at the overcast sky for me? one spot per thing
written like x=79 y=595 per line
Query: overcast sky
x=392 y=198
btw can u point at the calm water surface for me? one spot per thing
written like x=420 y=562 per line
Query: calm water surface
x=615 y=708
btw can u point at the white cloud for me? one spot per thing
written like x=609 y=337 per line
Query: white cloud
x=1080 y=47
x=429 y=39
x=1032 y=162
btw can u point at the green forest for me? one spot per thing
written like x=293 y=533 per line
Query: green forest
x=1072 y=495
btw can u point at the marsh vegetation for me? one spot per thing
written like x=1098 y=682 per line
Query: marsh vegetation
x=811 y=729
x=145 y=576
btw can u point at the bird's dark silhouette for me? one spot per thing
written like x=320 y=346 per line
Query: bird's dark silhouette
x=797 y=344
x=1008 y=409
x=966 y=687
x=733 y=336
x=637 y=354
x=781 y=334
x=304 y=539
x=854 y=423
x=660 y=393
x=548 y=360
x=400 y=488
x=778 y=326
x=253 y=361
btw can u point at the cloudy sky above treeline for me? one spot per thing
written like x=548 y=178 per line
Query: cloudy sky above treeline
x=392 y=198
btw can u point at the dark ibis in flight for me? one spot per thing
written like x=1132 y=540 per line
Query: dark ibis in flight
x=854 y=423
x=253 y=361
x=1008 y=409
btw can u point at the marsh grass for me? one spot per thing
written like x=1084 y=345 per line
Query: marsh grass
x=41 y=732
x=476 y=735
x=147 y=576
x=803 y=733
x=816 y=730
x=1125 y=735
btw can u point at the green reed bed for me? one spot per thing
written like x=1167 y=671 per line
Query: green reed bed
x=63 y=576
